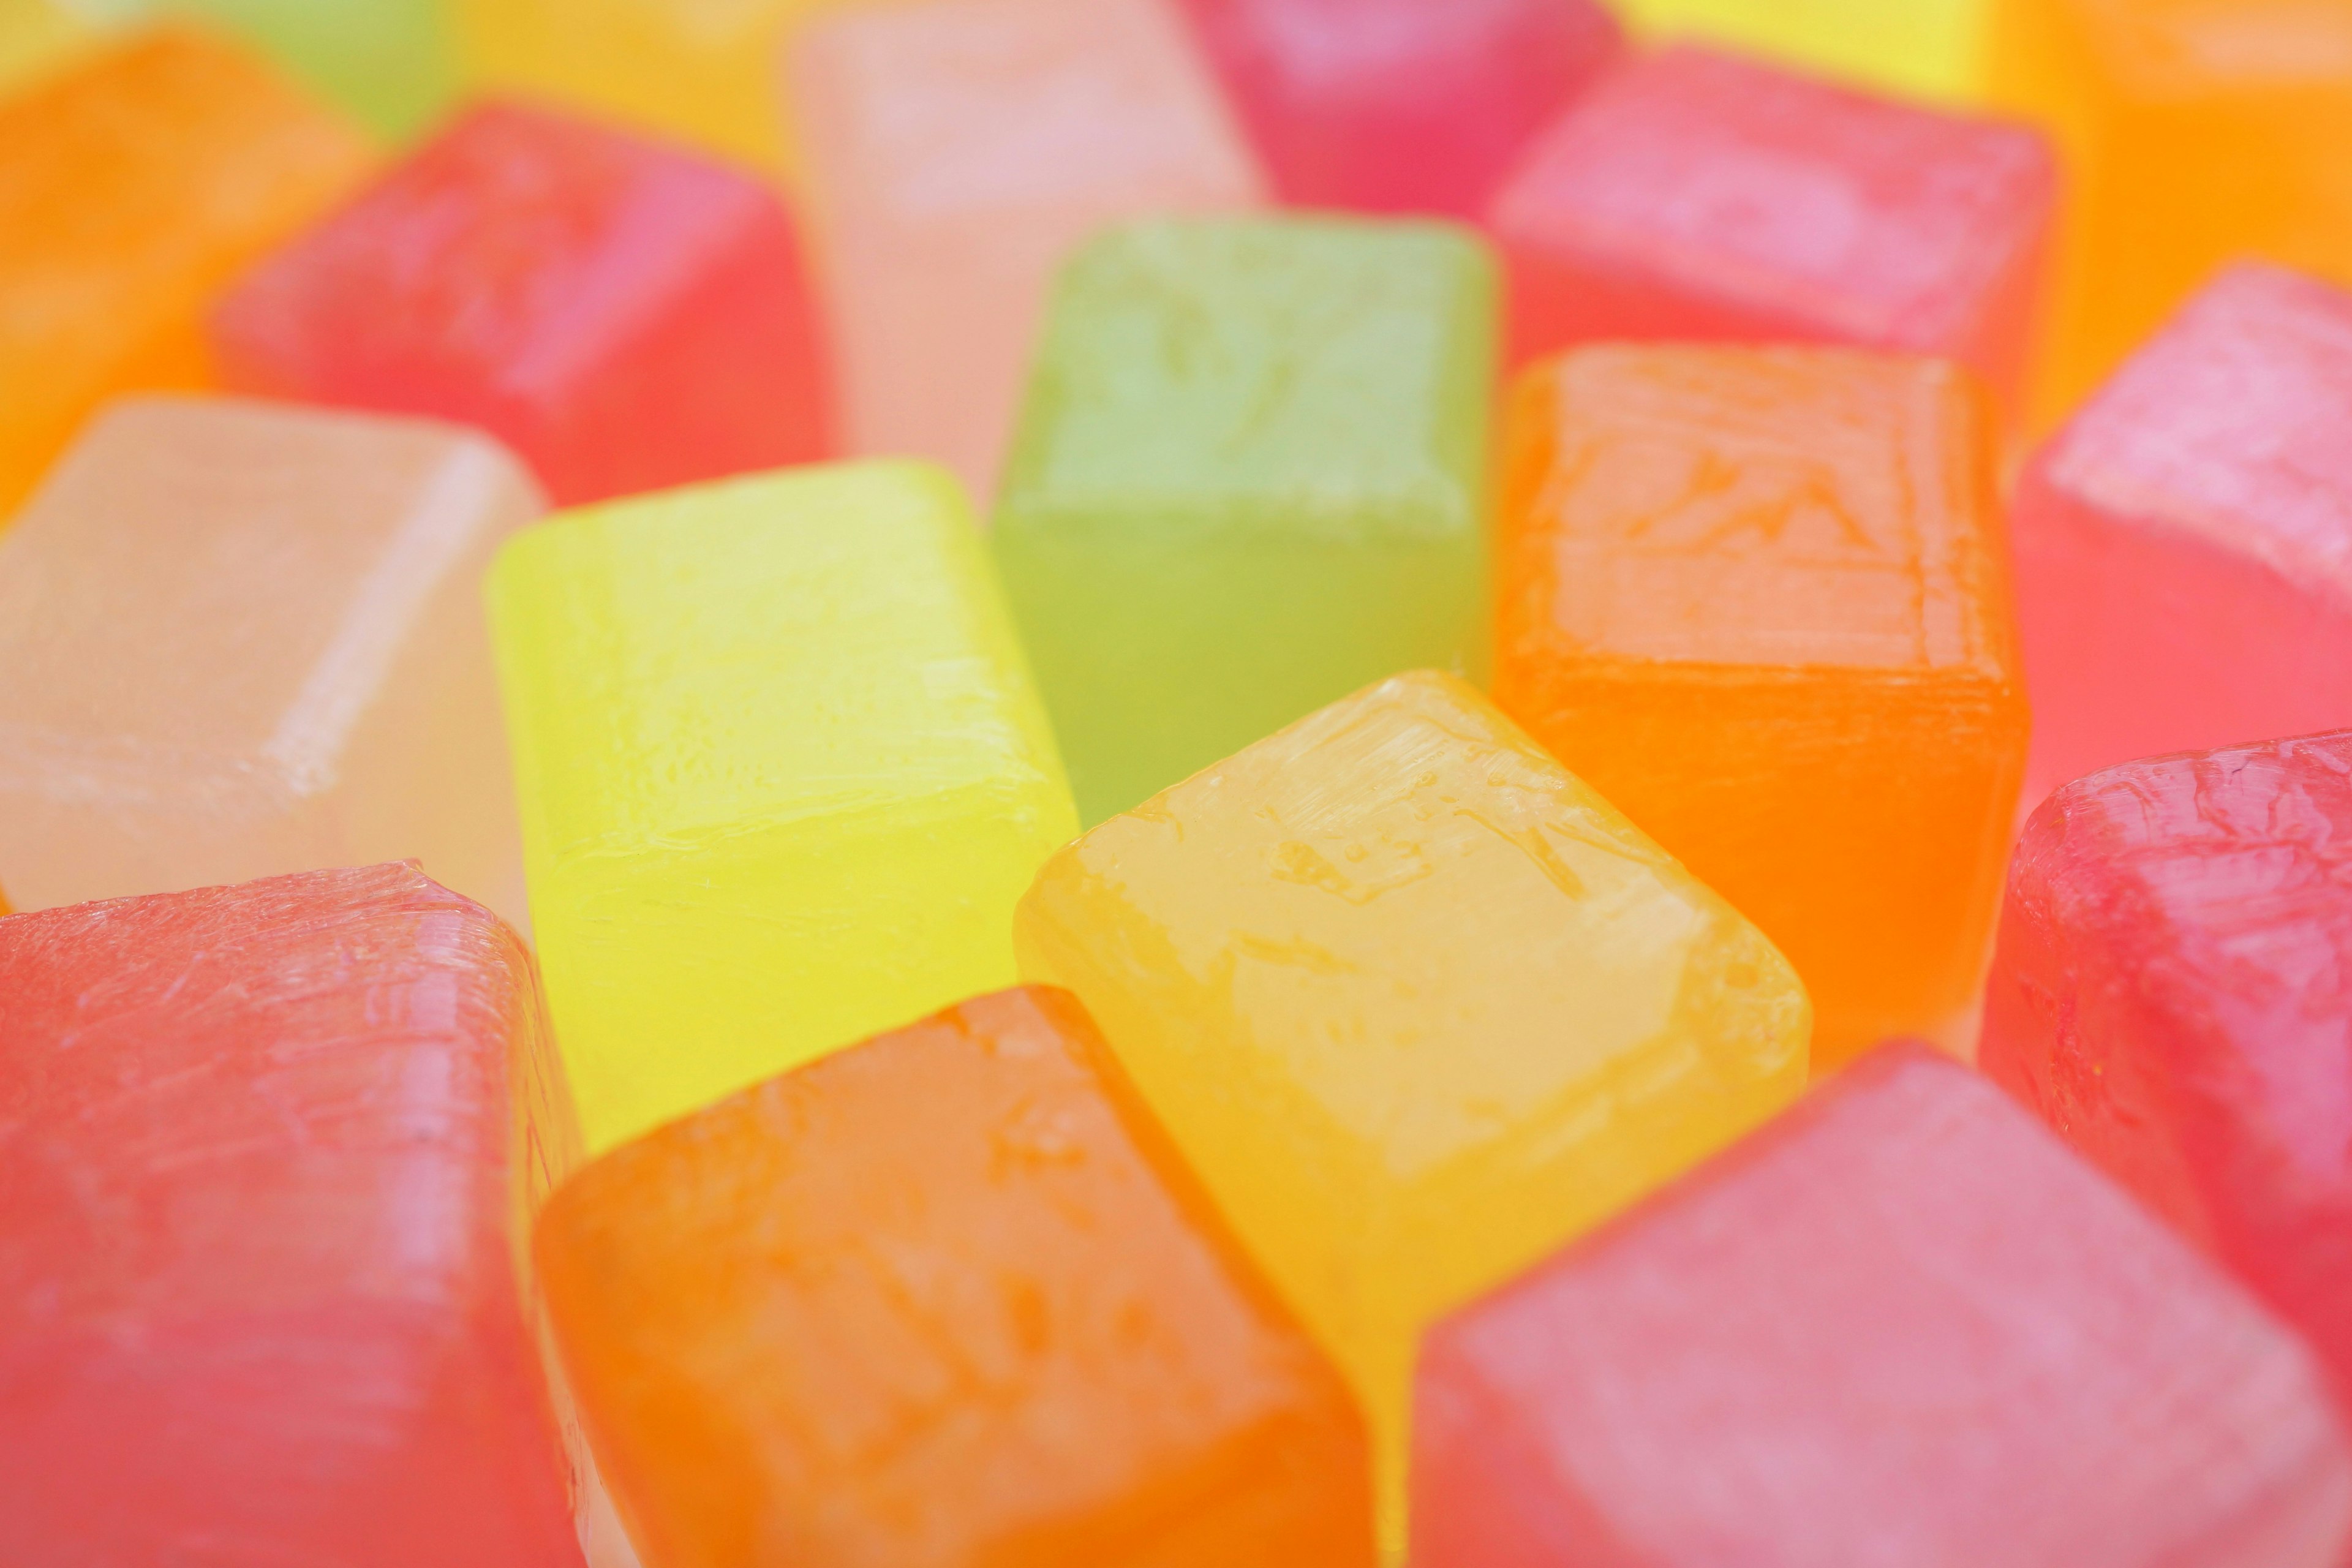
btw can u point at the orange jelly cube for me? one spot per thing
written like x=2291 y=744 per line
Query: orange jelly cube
x=133 y=187
x=944 y=1300
x=1758 y=598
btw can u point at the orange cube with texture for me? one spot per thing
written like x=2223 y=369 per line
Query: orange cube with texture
x=134 y=186
x=945 y=1299
x=2197 y=132
x=1759 y=599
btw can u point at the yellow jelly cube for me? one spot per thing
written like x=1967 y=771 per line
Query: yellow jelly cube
x=705 y=71
x=1419 y=1004
x=782 y=775
x=1930 y=49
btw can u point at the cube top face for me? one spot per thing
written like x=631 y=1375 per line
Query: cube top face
x=1850 y=216
x=269 y=1147
x=1774 y=508
x=1720 y=1376
x=948 y=112
x=218 y=591
x=1393 y=904
x=821 y=643
x=945 y=1298
x=1395 y=106
x=1934 y=48
x=132 y=186
x=515 y=250
x=2232 y=426
x=1319 y=379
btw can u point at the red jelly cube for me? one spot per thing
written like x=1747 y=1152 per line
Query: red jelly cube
x=1400 y=105
x=265 y=1153
x=626 y=315
x=2184 y=547
x=2174 y=973
x=1904 y=1326
x=1691 y=194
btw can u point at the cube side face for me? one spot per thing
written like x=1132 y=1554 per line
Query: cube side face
x=563 y=285
x=1847 y=1256
x=242 y=633
x=134 y=185
x=2160 y=995
x=1890 y=226
x=1760 y=600
x=1382 y=106
x=2182 y=543
x=1383 y=1097
x=943 y=1297
x=321 y=1170
x=708 y=77
x=1260 y=449
x=1937 y=49
x=2217 y=117
x=941 y=222
x=804 y=683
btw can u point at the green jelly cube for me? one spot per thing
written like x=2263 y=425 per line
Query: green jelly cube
x=389 y=62
x=1251 y=477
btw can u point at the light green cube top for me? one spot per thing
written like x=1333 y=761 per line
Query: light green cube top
x=389 y=62
x=1251 y=477
x=781 y=770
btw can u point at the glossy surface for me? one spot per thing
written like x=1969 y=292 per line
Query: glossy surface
x=1696 y=196
x=782 y=775
x=133 y=187
x=2195 y=132
x=389 y=62
x=1937 y=49
x=945 y=1298
x=626 y=315
x=703 y=72
x=243 y=640
x=1418 y=1005
x=1901 y=1325
x=1760 y=600
x=268 y=1162
x=959 y=150
x=1400 y=106
x=2184 y=547
x=2170 y=993
x=1251 y=477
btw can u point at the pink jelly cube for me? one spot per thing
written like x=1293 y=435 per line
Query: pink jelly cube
x=626 y=315
x=2173 y=977
x=1903 y=1327
x=1692 y=195
x=2184 y=547
x=1400 y=105
x=266 y=1158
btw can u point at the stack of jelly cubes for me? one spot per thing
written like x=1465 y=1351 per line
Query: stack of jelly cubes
x=1176 y=783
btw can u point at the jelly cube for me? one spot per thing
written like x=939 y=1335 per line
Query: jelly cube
x=958 y=150
x=270 y=1157
x=388 y=62
x=133 y=186
x=2184 y=546
x=2195 y=133
x=1418 y=1004
x=34 y=37
x=703 y=73
x=1758 y=598
x=244 y=639
x=1399 y=105
x=943 y=1300
x=1695 y=195
x=2169 y=993
x=1251 y=479
x=1902 y=1325
x=1937 y=49
x=784 y=775
x=626 y=315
